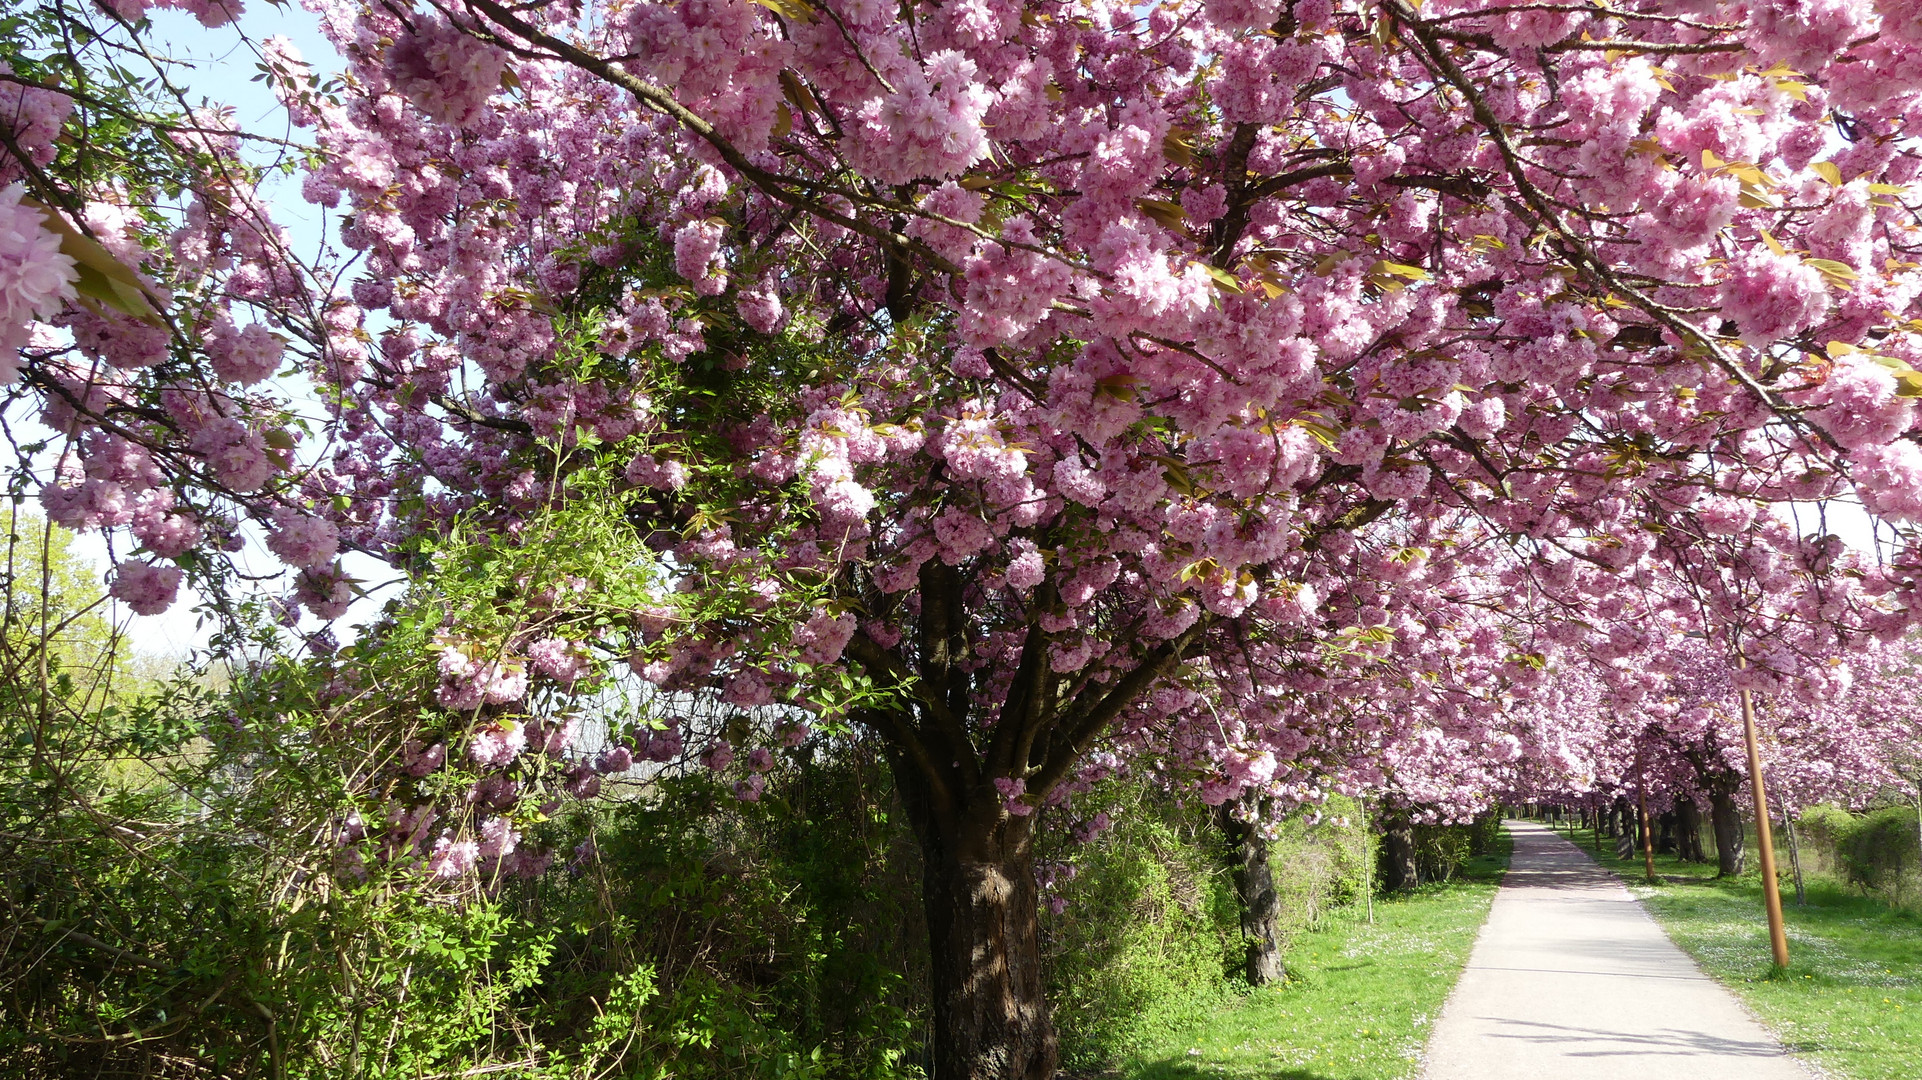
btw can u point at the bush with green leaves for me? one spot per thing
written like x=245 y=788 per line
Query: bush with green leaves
x=1876 y=850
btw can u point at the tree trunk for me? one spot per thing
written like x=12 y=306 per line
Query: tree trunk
x=1688 y=828
x=1726 y=818
x=1665 y=833
x=1795 y=856
x=1255 y=886
x=1398 y=869
x=989 y=1005
x=1625 y=844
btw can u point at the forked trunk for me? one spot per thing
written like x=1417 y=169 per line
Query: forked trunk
x=1399 y=871
x=990 y=1007
x=1727 y=820
x=1255 y=887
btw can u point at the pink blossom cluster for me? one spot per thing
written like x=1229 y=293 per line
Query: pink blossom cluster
x=36 y=277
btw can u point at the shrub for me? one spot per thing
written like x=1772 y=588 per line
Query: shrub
x=1150 y=929
x=1876 y=850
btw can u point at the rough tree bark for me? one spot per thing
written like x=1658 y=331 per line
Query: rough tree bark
x=1399 y=871
x=1255 y=887
x=1688 y=827
x=990 y=1009
x=1726 y=817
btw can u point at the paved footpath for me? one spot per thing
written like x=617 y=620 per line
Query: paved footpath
x=1571 y=980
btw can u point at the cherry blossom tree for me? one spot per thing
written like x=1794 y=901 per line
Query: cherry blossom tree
x=1018 y=383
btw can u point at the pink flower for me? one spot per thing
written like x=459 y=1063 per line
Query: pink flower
x=761 y=309
x=697 y=250
x=325 y=591
x=1860 y=407
x=36 y=278
x=1012 y=791
x=1725 y=516
x=419 y=762
x=146 y=588
x=1027 y=568
x=246 y=355
x=447 y=74
x=168 y=535
x=558 y=659
x=497 y=744
x=823 y=637
x=452 y=858
x=1889 y=479
x=648 y=471
x=497 y=838
x=303 y=541
x=1772 y=297
x=236 y=456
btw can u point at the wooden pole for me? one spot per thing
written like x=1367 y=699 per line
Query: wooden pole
x=1771 y=889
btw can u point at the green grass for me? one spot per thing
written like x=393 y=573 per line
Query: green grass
x=1851 y=1000
x=1359 y=1001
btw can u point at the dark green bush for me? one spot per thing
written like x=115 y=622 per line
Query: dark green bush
x=1150 y=942
x=787 y=933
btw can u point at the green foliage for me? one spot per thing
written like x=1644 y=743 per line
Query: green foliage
x=1876 y=850
x=1150 y=941
x=1149 y=934
x=787 y=932
x=1442 y=850
x=1318 y=865
x=1360 y=998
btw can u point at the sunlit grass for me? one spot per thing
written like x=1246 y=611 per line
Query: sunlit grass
x=1851 y=1000
x=1360 y=999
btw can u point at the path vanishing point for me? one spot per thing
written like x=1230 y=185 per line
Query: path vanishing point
x=1572 y=980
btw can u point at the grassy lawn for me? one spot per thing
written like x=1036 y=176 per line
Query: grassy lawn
x=1359 y=1001
x=1852 y=998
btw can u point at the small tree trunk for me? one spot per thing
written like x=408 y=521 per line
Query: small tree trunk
x=1399 y=871
x=1726 y=818
x=1255 y=886
x=1665 y=842
x=990 y=1008
x=1368 y=863
x=1795 y=856
x=1624 y=831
